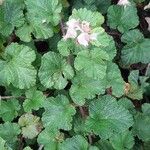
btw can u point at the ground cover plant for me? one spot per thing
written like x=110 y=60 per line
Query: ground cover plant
x=74 y=75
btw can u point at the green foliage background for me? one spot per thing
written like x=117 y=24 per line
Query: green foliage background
x=59 y=95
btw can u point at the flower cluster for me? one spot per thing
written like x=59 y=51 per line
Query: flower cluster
x=81 y=31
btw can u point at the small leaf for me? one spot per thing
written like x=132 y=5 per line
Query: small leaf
x=30 y=124
x=55 y=71
x=114 y=79
x=93 y=63
x=104 y=145
x=141 y=127
x=146 y=109
x=16 y=67
x=11 y=16
x=84 y=88
x=135 y=90
x=34 y=101
x=75 y=143
x=9 y=132
x=126 y=103
x=123 y=141
x=107 y=117
x=118 y=17
x=27 y=148
x=24 y=33
x=135 y=50
x=9 y=109
x=50 y=138
x=58 y=113
x=43 y=16
x=95 y=18
x=3 y=145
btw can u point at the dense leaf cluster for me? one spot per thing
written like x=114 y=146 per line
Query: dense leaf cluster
x=57 y=94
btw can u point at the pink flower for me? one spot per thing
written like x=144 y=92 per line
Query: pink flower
x=83 y=39
x=123 y=2
x=72 y=23
x=81 y=31
x=71 y=33
x=72 y=26
x=85 y=26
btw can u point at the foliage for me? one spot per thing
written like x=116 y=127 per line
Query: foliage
x=74 y=75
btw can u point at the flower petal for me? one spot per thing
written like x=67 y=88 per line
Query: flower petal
x=71 y=33
x=83 y=39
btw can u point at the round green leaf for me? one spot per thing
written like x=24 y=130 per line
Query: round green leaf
x=84 y=88
x=9 y=109
x=34 y=101
x=43 y=16
x=55 y=71
x=123 y=141
x=106 y=117
x=50 y=138
x=16 y=68
x=58 y=113
x=93 y=63
x=30 y=124
x=75 y=143
x=118 y=17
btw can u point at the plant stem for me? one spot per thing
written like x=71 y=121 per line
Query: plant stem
x=62 y=27
x=82 y=112
x=147 y=69
x=10 y=97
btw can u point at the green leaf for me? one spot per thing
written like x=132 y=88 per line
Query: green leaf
x=118 y=17
x=106 y=117
x=135 y=50
x=126 y=103
x=31 y=125
x=43 y=16
x=146 y=109
x=95 y=18
x=11 y=16
x=24 y=33
x=9 y=109
x=135 y=91
x=79 y=126
x=67 y=47
x=114 y=79
x=3 y=145
x=123 y=141
x=55 y=71
x=58 y=113
x=141 y=127
x=16 y=67
x=84 y=88
x=93 y=63
x=27 y=148
x=34 y=100
x=104 y=145
x=50 y=138
x=75 y=143
x=9 y=132
x=107 y=44
x=93 y=148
